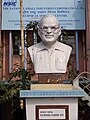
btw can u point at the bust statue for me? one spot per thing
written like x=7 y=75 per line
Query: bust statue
x=49 y=56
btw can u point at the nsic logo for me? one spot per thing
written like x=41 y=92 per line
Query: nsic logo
x=9 y=4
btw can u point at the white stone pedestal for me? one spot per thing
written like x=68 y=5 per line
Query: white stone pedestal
x=51 y=104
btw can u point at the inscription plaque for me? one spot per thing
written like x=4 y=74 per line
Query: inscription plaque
x=52 y=112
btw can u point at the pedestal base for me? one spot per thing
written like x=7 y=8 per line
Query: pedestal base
x=72 y=104
x=51 y=104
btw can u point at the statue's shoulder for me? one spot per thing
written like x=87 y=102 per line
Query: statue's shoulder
x=64 y=47
x=33 y=50
x=35 y=47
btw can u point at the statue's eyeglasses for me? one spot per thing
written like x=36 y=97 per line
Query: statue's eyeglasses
x=51 y=28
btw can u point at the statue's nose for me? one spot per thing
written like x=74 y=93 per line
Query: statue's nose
x=49 y=30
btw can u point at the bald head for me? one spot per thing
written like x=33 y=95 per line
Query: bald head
x=50 y=18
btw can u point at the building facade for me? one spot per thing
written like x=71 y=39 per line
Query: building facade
x=10 y=46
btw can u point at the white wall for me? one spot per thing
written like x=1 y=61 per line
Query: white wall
x=32 y=102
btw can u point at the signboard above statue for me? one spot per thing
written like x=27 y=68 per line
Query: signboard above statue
x=70 y=13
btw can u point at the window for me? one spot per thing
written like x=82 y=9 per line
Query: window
x=16 y=39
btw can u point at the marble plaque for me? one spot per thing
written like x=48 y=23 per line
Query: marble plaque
x=52 y=112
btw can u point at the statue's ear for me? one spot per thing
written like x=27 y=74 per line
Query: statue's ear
x=39 y=32
x=59 y=32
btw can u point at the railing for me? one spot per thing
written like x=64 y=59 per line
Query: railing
x=82 y=81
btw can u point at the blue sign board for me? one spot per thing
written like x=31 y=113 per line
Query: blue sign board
x=71 y=13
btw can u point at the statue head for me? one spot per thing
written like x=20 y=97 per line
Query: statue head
x=49 y=29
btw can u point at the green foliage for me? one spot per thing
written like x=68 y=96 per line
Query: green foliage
x=9 y=90
x=32 y=25
x=64 y=36
x=19 y=79
x=84 y=110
